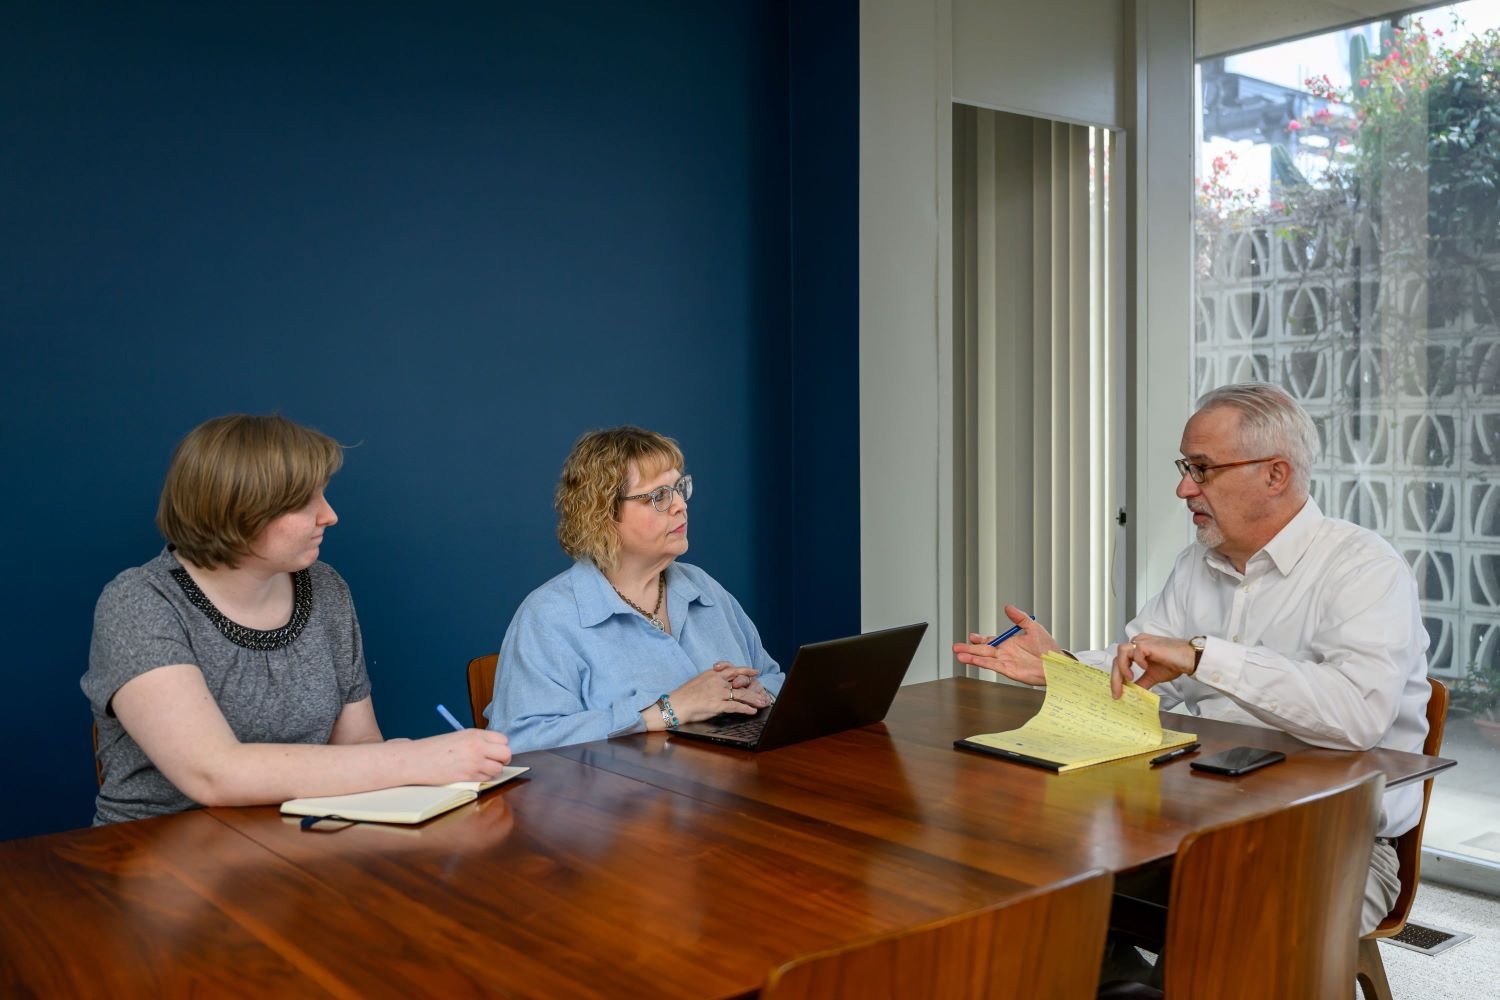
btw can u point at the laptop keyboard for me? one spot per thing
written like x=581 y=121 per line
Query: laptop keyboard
x=741 y=730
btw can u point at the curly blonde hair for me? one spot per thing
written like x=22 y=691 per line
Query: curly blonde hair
x=595 y=477
x=231 y=476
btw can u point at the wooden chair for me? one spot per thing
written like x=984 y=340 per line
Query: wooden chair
x=1371 y=976
x=1045 y=944
x=1269 y=906
x=481 y=685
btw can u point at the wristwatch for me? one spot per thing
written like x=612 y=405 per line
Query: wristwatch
x=1198 y=642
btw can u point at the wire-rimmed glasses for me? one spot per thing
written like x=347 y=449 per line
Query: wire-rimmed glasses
x=661 y=497
x=1195 y=472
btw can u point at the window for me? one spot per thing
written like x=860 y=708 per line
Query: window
x=1348 y=231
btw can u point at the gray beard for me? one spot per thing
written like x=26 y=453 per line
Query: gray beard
x=1209 y=535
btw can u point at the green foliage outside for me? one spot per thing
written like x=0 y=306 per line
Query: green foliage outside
x=1426 y=126
x=1417 y=147
x=1478 y=691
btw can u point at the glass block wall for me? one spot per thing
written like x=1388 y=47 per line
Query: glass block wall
x=1398 y=361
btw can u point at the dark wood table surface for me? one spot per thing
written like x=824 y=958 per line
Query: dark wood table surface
x=903 y=782
x=642 y=866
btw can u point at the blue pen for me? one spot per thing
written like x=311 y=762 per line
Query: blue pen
x=1007 y=633
x=451 y=720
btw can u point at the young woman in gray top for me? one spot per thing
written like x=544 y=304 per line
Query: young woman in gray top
x=229 y=669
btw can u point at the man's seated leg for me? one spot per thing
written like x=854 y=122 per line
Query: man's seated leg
x=1382 y=885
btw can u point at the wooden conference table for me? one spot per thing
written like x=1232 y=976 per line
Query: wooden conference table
x=639 y=866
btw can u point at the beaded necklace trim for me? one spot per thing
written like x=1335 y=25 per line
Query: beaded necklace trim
x=253 y=638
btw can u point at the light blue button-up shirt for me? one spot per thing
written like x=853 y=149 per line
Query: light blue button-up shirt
x=579 y=664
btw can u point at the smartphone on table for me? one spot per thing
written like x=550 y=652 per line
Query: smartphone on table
x=1237 y=761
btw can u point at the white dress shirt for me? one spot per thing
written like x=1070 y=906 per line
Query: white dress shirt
x=1320 y=637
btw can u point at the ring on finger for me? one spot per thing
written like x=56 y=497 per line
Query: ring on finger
x=731 y=694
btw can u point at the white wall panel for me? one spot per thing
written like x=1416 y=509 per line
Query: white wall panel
x=1028 y=59
x=1225 y=26
x=905 y=124
x=1137 y=58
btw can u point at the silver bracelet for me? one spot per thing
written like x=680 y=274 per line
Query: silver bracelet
x=664 y=703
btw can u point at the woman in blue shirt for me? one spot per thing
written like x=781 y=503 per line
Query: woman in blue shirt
x=628 y=639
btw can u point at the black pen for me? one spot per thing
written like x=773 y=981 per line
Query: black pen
x=1174 y=754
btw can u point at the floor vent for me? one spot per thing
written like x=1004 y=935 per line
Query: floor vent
x=1427 y=940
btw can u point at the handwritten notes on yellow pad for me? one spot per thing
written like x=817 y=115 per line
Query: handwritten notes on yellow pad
x=1081 y=724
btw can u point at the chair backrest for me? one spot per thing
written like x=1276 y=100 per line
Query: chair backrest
x=1409 y=844
x=1269 y=906
x=481 y=685
x=1046 y=943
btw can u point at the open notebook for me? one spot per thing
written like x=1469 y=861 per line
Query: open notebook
x=1081 y=723
x=402 y=804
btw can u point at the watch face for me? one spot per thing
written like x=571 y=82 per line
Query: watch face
x=1198 y=642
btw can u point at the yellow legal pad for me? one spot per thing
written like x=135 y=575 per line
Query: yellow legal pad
x=1081 y=724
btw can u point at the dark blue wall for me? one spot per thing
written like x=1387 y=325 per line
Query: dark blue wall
x=824 y=135
x=455 y=236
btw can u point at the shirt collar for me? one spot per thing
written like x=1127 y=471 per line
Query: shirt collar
x=598 y=602
x=1289 y=545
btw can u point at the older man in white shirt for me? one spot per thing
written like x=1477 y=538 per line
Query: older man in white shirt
x=1276 y=616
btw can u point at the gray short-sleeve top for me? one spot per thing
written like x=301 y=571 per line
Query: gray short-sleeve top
x=285 y=685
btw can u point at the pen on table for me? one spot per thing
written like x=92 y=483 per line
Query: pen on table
x=1007 y=633
x=1174 y=754
x=451 y=720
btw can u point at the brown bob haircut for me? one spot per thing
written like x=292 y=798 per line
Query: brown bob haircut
x=231 y=476
x=595 y=477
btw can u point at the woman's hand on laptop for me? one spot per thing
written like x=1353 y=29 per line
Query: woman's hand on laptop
x=713 y=692
x=745 y=684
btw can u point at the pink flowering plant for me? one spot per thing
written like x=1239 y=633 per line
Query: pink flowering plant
x=1221 y=206
x=1414 y=141
x=1218 y=197
x=1419 y=123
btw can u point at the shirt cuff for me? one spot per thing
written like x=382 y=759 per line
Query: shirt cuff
x=626 y=720
x=1222 y=664
x=1101 y=659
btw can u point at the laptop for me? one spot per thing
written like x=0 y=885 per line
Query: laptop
x=830 y=687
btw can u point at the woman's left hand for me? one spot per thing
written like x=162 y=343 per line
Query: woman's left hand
x=744 y=685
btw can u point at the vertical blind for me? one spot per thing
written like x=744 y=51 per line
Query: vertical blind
x=1037 y=389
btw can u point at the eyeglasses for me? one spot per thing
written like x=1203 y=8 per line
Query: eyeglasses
x=1195 y=472
x=661 y=497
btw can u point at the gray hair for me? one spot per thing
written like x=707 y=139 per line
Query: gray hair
x=1271 y=423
